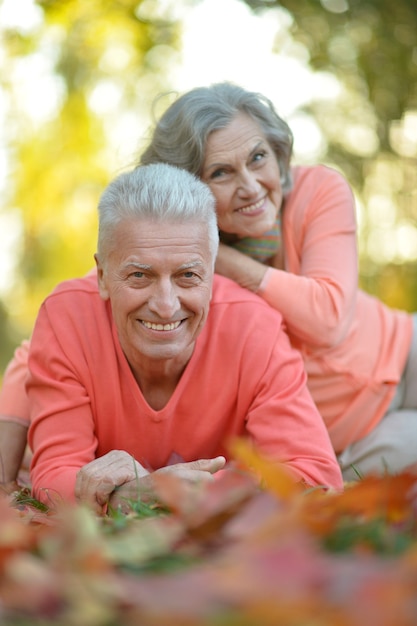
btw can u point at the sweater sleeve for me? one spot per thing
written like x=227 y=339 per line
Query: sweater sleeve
x=61 y=433
x=317 y=293
x=14 y=405
x=283 y=420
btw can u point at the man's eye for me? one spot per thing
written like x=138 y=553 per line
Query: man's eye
x=138 y=275
x=188 y=274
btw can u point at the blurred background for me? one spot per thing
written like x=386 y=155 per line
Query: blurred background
x=78 y=82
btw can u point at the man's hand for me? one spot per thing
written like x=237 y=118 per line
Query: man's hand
x=117 y=477
x=194 y=471
x=97 y=480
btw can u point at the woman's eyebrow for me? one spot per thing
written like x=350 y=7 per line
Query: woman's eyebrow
x=257 y=146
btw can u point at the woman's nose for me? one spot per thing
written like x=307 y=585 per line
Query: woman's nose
x=248 y=184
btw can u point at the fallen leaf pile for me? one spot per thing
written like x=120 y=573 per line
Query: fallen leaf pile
x=224 y=554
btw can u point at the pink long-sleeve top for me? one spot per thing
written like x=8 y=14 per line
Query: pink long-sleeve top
x=14 y=405
x=243 y=379
x=354 y=347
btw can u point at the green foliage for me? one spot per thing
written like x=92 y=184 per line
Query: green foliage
x=24 y=498
x=106 y=61
x=395 y=284
x=141 y=510
x=105 y=66
x=373 y=536
x=9 y=337
x=370 y=47
x=225 y=554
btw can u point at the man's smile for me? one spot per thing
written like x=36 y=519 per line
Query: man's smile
x=159 y=326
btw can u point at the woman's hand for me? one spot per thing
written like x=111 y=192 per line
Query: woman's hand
x=237 y=266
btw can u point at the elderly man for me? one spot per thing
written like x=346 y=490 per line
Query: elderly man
x=154 y=363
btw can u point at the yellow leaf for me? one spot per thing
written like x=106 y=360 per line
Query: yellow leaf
x=275 y=477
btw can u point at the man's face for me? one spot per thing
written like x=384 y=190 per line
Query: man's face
x=158 y=277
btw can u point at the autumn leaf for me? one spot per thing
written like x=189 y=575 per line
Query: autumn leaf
x=246 y=549
x=204 y=508
x=14 y=534
x=274 y=477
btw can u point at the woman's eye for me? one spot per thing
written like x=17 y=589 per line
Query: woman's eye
x=218 y=173
x=258 y=156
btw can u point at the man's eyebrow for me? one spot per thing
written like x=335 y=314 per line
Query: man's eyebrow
x=191 y=264
x=145 y=266
x=139 y=266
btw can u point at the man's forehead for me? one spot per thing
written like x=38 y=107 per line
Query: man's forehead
x=145 y=241
x=168 y=227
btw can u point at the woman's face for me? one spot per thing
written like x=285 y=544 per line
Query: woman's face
x=242 y=171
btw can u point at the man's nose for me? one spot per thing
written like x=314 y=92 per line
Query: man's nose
x=164 y=299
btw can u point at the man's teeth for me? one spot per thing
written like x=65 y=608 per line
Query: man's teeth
x=252 y=207
x=170 y=326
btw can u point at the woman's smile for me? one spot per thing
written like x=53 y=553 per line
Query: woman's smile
x=252 y=209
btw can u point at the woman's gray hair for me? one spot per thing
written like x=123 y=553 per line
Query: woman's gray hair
x=159 y=192
x=180 y=136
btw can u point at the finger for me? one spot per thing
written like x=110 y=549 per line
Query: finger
x=197 y=477
x=217 y=464
x=199 y=467
x=97 y=480
x=119 y=502
x=208 y=465
x=90 y=492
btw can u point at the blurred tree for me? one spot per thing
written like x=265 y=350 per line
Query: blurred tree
x=8 y=338
x=77 y=81
x=370 y=46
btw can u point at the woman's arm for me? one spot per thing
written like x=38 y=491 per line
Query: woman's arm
x=242 y=269
x=13 y=438
x=14 y=404
x=14 y=418
x=317 y=293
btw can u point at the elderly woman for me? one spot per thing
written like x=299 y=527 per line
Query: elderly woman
x=289 y=234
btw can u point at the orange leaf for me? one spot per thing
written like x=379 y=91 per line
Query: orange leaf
x=275 y=477
x=378 y=496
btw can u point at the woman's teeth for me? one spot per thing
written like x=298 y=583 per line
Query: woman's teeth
x=252 y=207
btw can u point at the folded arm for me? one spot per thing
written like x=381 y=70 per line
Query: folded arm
x=117 y=478
x=316 y=293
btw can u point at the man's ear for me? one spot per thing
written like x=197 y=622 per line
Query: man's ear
x=101 y=279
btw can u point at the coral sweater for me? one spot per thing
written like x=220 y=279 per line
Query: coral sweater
x=354 y=347
x=243 y=378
